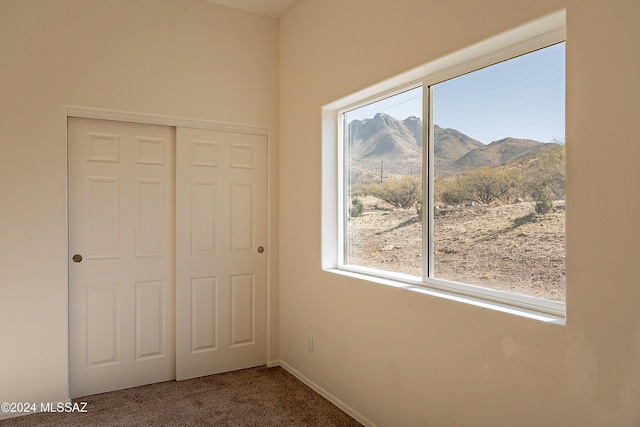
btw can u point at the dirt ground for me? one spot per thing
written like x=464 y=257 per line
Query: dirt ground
x=506 y=247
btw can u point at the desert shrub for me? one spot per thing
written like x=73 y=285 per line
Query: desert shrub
x=547 y=172
x=543 y=205
x=553 y=169
x=516 y=186
x=357 y=208
x=357 y=190
x=488 y=184
x=453 y=191
x=456 y=192
x=482 y=185
x=399 y=191
x=543 y=202
x=440 y=185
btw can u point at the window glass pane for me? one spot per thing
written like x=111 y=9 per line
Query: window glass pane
x=382 y=188
x=499 y=176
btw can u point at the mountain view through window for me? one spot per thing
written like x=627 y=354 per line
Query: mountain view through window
x=495 y=181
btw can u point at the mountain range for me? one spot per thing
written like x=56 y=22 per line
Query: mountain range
x=383 y=144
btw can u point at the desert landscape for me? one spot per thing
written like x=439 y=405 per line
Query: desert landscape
x=503 y=246
x=499 y=209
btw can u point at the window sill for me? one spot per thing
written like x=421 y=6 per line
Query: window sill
x=452 y=296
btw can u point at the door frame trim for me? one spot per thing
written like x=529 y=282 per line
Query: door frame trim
x=157 y=119
x=175 y=121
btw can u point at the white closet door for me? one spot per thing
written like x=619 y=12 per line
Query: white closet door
x=121 y=255
x=220 y=251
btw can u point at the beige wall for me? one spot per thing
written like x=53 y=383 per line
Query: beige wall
x=396 y=357
x=187 y=58
x=404 y=359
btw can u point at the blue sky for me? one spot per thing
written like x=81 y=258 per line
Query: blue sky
x=521 y=98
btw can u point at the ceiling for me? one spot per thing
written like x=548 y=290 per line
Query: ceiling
x=272 y=8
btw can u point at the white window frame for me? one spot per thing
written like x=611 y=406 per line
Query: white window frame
x=524 y=39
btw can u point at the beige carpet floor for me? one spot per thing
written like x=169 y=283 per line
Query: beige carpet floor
x=252 y=397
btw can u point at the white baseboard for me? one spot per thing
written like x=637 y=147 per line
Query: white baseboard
x=273 y=364
x=330 y=397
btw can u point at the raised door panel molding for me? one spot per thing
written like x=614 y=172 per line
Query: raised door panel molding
x=204 y=153
x=103 y=227
x=150 y=150
x=150 y=222
x=203 y=217
x=150 y=315
x=242 y=309
x=242 y=211
x=204 y=314
x=242 y=156
x=104 y=147
x=103 y=325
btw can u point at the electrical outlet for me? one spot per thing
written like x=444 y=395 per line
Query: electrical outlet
x=310 y=343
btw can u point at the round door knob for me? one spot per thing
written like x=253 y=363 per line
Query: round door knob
x=260 y=249
x=77 y=258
